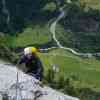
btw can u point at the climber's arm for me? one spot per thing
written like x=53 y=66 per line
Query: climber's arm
x=22 y=60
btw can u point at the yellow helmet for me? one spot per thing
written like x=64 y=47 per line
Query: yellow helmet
x=30 y=50
x=34 y=50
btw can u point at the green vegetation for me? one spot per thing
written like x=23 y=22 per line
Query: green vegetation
x=91 y=3
x=80 y=27
x=86 y=70
x=77 y=76
x=80 y=30
x=31 y=36
x=5 y=52
x=36 y=35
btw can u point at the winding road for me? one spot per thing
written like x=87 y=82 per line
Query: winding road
x=53 y=32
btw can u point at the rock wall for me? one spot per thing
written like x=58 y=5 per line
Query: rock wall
x=17 y=85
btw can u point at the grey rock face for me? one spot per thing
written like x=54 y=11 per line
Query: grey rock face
x=25 y=87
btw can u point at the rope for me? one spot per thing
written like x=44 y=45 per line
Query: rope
x=18 y=89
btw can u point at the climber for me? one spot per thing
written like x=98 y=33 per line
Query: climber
x=32 y=62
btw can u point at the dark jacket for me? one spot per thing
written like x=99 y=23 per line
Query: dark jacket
x=33 y=65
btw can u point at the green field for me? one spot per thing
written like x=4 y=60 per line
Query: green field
x=37 y=35
x=91 y=3
x=30 y=36
x=87 y=71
